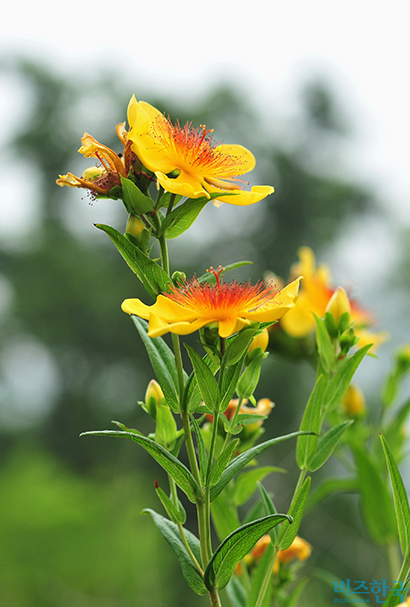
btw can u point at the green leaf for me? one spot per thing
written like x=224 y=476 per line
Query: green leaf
x=180 y=473
x=250 y=377
x=170 y=532
x=247 y=482
x=224 y=517
x=239 y=462
x=257 y=580
x=177 y=515
x=376 y=504
x=236 y=592
x=203 y=458
x=165 y=427
x=162 y=361
x=324 y=345
x=311 y=422
x=182 y=217
x=401 y=501
x=268 y=507
x=222 y=461
x=288 y=532
x=339 y=383
x=245 y=419
x=209 y=277
x=225 y=558
x=228 y=382
x=135 y=201
x=207 y=383
x=239 y=345
x=154 y=279
x=397 y=593
x=327 y=444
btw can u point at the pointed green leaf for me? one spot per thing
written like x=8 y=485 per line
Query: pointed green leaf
x=177 y=515
x=311 y=422
x=239 y=462
x=165 y=427
x=182 y=217
x=135 y=201
x=203 y=457
x=250 y=377
x=288 y=532
x=207 y=383
x=154 y=279
x=228 y=382
x=180 y=473
x=162 y=361
x=337 y=386
x=269 y=508
x=246 y=483
x=239 y=345
x=327 y=444
x=401 y=501
x=225 y=558
x=324 y=345
x=171 y=533
x=222 y=461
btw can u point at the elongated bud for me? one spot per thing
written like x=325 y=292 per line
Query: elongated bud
x=134 y=226
x=260 y=341
x=153 y=397
x=353 y=401
x=338 y=304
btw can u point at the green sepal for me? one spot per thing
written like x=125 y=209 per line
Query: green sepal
x=179 y=472
x=222 y=461
x=152 y=276
x=324 y=345
x=237 y=545
x=243 y=459
x=177 y=515
x=330 y=324
x=247 y=482
x=163 y=363
x=311 y=422
x=165 y=427
x=250 y=377
x=170 y=532
x=288 y=532
x=207 y=383
x=326 y=445
x=379 y=521
x=339 y=383
x=134 y=200
x=401 y=502
x=182 y=217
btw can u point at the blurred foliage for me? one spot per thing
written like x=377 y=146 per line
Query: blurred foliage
x=67 y=538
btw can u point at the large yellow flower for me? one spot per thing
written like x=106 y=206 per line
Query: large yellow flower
x=100 y=180
x=231 y=306
x=314 y=297
x=198 y=166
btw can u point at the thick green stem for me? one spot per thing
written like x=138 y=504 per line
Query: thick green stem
x=164 y=253
x=214 y=598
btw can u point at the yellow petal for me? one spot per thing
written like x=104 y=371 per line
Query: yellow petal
x=184 y=185
x=299 y=321
x=229 y=326
x=135 y=306
x=242 y=198
x=284 y=301
x=158 y=327
x=244 y=160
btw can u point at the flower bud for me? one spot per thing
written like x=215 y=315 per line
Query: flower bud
x=134 y=226
x=153 y=397
x=260 y=341
x=178 y=278
x=338 y=304
x=92 y=173
x=353 y=401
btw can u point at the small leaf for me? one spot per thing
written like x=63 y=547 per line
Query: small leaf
x=401 y=501
x=288 y=533
x=327 y=444
x=203 y=458
x=207 y=383
x=247 y=482
x=170 y=532
x=162 y=361
x=324 y=345
x=182 y=217
x=180 y=473
x=154 y=279
x=311 y=422
x=177 y=515
x=222 y=461
x=228 y=382
x=135 y=201
x=225 y=558
x=239 y=462
x=337 y=386
x=250 y=377
x=238 y=346
x=165 y=427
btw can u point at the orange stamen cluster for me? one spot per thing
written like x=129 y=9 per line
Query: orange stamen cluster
x=221 y=300
x=193 y=147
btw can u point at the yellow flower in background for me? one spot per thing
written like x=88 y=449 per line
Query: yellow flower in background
x=353 y=401
x=316 y=294
x=231 y=306
x=101 y=179
x=198 y=166
x=300 y=549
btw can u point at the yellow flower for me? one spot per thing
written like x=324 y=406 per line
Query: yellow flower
x=406 y=603
x=299 y=549
x=316 y=295
x=100 y=180
x=198 y=166
x=231 y=306
x=353 y=401
x=260 y=341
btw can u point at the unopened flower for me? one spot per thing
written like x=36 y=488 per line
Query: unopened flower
x=230 y=306
x=100 y=180
x=186 y=161
x=353 y=401
x=300 y=549
x=314 y=298
x=338 y=304
x=263 y=407
x=260 y=341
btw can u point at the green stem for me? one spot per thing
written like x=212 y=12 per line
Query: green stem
x=164 y=253
x=171 y=204
x=214 y=598
x=393 y=558
x=266 y=580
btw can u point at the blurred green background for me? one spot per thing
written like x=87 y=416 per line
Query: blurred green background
x=71 y=529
